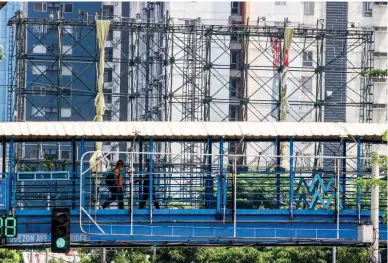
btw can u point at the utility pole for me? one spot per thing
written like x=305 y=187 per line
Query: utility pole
x=334 y=255
x=375 y=213
x=103 y=255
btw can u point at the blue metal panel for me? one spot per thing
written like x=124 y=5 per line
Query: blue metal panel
x=261 y=228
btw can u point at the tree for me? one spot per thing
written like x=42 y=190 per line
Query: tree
x=351 y=255
x=10 y=256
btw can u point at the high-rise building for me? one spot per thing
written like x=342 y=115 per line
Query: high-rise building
x=5 y=13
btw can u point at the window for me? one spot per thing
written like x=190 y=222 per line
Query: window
x=51 y=110
x=367 y=9
x=108 y=95
x=235 y=60
x=108 y=75
x=65 y=112
x=38 y=91
x=107 y=12
x=39 y=49
x=233 y=113
x=307 y=87
x=280 y=3
x=232 y=147
x=234 y=85
x=52 y=68
x=40 y=7
x=68 y=30
x=307 y=59
x=52 y=28
x=308 y=8
x=108 y=54
x=37 y=70
x=40 y=29
x=110 y=35
x=235 y=8
x=66 y=70
x=380 y=3
x=107 y=115
x=67 y=50
x=67 y=8
x=65 y=154
x=37 y=112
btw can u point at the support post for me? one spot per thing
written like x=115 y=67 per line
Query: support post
x=208 y=181
x=358 y=178
x=220 y=182
x=74 y=168
x=103 y=254
x=375 y=213
x=292 y=177
x=81 y=167
x=141 y=164
x=343 y=177
x=334 y=254
x=278 y=163
x=151 y=176
x=10 y=182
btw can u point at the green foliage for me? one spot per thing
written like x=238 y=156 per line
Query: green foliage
x=9 y=256
x=208 y=255
x=375 y=73
x=49 y=162
x=27 y=169
x=60 y=260
x=351 y=255
x=117 y=256
x=259 y=255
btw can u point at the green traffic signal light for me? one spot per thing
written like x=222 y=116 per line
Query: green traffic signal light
x=61 y=242
x=60 y=230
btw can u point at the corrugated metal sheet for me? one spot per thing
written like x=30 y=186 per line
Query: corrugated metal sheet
x=30 y=131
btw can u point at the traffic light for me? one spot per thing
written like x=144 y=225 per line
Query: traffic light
x=60 y=230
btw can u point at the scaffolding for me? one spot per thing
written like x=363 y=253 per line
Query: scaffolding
x=182 y=72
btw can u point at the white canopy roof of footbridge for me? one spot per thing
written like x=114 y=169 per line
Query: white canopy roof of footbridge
x=189 y=131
